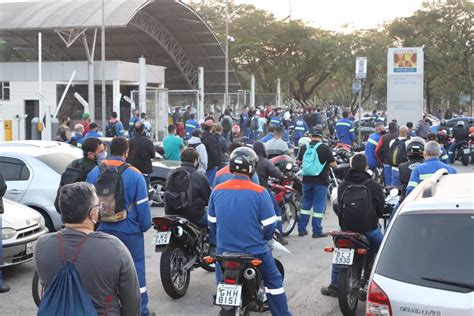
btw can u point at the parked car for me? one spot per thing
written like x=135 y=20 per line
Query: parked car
x=449 y=124
x=21 y=228
x=425 y=263
x=32 y=171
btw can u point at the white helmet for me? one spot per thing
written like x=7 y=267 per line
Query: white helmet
x=287 y=115
x=304 y=140
x=460 y=123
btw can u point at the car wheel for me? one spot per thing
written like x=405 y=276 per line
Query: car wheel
x=159 y=187
x=47 y=219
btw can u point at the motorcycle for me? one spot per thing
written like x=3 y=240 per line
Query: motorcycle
x=183 y=246
x=471 y=146
x=462 y=153
x=242 y=289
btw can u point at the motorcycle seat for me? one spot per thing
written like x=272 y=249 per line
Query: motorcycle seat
x=363 y=239
x=231 y=255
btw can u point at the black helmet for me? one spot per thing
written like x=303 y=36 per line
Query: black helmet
x=415 y=149
x=317 y=130
x=243 y=160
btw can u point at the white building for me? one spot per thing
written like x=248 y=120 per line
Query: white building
x=19 y=95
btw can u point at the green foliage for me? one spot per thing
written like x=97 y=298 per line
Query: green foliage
x=8 y=54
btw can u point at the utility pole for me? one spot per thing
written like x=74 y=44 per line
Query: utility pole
x=103 y=65
x=226 y=93
x=360 y=111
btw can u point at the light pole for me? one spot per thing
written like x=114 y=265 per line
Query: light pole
x=226 y=92
x=103 y=65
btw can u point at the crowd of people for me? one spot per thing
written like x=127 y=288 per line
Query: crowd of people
x=105 y=205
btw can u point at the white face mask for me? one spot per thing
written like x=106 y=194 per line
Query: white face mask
x=101 y=156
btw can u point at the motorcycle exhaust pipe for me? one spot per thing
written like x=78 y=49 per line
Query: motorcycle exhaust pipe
x=362 y=295
x=183 y=235
x=249 y=274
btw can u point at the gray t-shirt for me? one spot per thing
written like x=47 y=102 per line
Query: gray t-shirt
x=104 y=264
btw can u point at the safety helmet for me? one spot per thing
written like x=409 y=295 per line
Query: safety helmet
x=461 y=123
x=287 y=115
x=304 y=140
x=283 y=162
x=415 y=147
x=243 y=160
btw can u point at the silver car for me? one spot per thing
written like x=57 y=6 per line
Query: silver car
x=425 y=264
x=21 y=228
x=32 y=171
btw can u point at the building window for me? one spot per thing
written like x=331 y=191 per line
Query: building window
x=5 y=91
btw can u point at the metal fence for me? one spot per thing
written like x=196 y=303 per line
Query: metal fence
x=157 y=110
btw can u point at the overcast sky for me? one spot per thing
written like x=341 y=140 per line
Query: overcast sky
x=332 y=14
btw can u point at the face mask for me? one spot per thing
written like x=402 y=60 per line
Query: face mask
x=101 y=156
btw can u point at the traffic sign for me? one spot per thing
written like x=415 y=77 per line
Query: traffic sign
x=361 y=68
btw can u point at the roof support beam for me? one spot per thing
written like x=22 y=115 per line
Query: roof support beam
x=162 y=36
x=69 y=36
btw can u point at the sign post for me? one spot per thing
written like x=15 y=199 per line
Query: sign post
x=360 y=74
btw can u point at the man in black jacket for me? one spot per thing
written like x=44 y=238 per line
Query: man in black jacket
x=382 y=150
x=3 y=188
x=141 y=152
x=201 y=190
x=210 y=140
x=358 y=175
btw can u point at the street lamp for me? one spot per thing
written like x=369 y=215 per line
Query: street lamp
x=103 y=65
x=226 y=93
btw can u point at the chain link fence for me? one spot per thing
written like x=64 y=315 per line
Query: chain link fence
x=157 y=110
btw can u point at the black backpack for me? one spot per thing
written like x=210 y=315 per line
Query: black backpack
x=397 y=152
x=72 y=174
x=110 y=190
x=178 y=192
x=110 y=130
x=356 y=208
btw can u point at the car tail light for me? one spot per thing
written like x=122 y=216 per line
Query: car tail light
x=344 y=243
x=329 y=249
x=231 y=264
x=378 y=303
x=229 y=281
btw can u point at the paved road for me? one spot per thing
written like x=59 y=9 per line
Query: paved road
x=307 y=269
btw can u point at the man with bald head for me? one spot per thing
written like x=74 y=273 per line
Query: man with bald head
x=398 y=153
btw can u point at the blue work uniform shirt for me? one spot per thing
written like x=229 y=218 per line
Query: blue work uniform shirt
x=372 y=142
x=426 y=170
x=345 y=131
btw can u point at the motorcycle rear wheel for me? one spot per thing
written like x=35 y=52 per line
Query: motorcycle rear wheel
x=465 y=160
x=37 y=289
x=289 y=217
x=348 y=298
x=174 y=280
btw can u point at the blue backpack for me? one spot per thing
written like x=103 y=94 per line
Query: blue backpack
x=311 y=164
x=66 y=294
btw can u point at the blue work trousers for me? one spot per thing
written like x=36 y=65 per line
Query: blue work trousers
x=375 y=237
x=451 y=151
x=395 y=177
x=211 y=174
x=314 y=197
x=387 y=175
x=273 y=280
x=136 y=245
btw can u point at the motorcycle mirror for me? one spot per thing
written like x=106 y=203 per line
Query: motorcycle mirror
x=370 y=172
x=393 y=193
x=275 y=245
x=289 y=166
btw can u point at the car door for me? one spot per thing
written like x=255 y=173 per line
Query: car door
x=17 y=176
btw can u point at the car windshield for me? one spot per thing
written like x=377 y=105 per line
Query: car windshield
x=432 y=250
x=57 y=161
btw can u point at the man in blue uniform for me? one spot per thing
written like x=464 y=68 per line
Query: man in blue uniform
x=191 y=125
x=372 y=144
x=345 y=130
x=275 y=120
x=245 y=124
x=300 y=129
x=130 y=230
x=429 y=167
x=242 y=218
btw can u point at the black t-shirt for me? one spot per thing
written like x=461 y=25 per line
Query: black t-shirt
x=325 y=156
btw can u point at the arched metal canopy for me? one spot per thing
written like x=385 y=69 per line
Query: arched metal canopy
x=168 y=33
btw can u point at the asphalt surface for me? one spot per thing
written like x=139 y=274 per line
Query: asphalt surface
x=307 y=268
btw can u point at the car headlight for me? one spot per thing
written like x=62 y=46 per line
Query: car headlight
x=8 y=233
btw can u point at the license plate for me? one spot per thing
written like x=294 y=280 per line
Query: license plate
x=467 y=151
x=228 y=294
x=161 y=238
x=343 y=256
x=30 y=247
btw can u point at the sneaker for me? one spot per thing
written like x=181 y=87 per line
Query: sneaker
x=321 y=235
x=303 y=233
x=4 y=288
x=331 y=290
x=283 y=241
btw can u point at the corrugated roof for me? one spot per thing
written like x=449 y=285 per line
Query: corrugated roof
x=20 y=22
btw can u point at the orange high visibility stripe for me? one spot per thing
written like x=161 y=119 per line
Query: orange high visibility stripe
x=236 y=184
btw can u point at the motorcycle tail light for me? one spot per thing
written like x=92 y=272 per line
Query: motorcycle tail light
x=208 y=259
x=378 y=303
x=344 y=243
x=229 y=281
x=163 y=227
x=231 y=264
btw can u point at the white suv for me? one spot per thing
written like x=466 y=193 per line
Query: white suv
x=425 y=265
